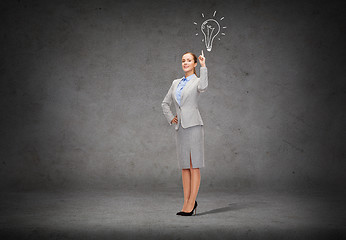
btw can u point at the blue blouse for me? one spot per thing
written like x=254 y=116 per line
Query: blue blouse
x=181 y=85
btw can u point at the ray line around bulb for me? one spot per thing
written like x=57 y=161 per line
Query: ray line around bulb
x=214 y=14
x=202 y=15
x=222 y=18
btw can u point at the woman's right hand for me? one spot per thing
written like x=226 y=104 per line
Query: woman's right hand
x=175 y=120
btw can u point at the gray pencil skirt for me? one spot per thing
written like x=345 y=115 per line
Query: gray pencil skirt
x=190 y=140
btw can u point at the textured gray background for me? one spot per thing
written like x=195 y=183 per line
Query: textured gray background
x=82 y=85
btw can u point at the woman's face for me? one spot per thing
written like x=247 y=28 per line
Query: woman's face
x=187 y=62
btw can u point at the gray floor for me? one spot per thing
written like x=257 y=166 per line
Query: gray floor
x=134 y=214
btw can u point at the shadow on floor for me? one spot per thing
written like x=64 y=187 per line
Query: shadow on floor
x=232 y=207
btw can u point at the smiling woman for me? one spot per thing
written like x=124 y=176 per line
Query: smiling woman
x=188 y=125
x=189 y=61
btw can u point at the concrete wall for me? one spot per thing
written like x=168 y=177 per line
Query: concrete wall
x=82 y=86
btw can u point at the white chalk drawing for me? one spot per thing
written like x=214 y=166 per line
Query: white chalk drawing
x=210 y=29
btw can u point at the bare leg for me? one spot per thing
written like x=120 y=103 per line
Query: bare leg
x=195 y=182
x=186 y=176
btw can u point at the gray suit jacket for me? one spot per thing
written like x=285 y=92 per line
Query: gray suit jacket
x=187 y=113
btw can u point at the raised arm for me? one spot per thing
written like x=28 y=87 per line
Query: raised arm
x=166 y=105
x=203 y=82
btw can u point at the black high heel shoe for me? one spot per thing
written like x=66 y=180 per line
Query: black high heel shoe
x=181 y=213
x=190 y=213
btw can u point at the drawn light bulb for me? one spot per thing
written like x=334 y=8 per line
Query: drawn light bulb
x=210 y=28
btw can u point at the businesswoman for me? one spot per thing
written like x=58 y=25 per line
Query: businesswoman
x=189 y=134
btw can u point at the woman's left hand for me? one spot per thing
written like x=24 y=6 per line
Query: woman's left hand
x=201 y=59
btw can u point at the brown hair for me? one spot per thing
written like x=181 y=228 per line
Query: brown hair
x=194 y=59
